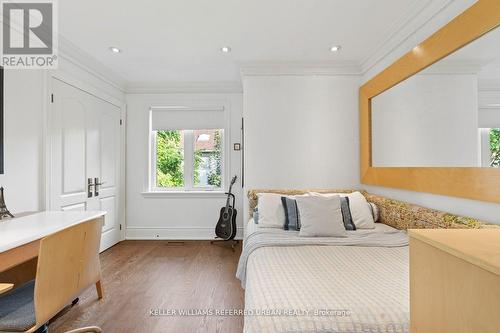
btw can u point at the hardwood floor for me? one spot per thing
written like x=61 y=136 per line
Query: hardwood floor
x=139 y=276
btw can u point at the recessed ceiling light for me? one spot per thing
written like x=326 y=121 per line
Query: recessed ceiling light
x=225 y=49
x=335 y=48
x=115 y=49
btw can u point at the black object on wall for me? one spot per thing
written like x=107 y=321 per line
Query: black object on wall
x=1 y=120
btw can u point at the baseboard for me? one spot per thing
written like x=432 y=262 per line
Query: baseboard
x=174 y=233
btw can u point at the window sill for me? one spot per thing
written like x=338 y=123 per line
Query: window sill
x=184 y=194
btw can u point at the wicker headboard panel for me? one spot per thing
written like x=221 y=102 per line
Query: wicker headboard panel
x=398 y=214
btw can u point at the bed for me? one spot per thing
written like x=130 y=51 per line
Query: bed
x=325 y=284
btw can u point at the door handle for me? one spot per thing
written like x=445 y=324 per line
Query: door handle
x=96 y=186
x=90 y=184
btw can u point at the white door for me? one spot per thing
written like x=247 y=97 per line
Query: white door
x=84 y=134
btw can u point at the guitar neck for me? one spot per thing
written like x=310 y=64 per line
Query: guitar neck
x=229 y=195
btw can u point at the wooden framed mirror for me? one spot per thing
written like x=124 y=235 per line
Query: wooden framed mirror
x=387 y=115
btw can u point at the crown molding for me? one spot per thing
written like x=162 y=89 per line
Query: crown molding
x=216 y=87
x=299 y=68
x=419 y=13
x=78 y=57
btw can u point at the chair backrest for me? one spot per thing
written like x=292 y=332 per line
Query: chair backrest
x=68 y=262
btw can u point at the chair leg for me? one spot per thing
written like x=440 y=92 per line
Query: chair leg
x=98 y=287
x=42 y=329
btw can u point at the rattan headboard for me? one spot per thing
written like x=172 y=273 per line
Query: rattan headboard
x=398 y=214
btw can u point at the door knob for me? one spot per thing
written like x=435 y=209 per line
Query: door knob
x=96 y=186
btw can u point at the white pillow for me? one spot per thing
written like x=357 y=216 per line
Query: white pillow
x=317 y=194
x=320 y=216
x=271 y=211
x=360 y=211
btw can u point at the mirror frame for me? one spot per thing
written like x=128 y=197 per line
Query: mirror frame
x=472 y=183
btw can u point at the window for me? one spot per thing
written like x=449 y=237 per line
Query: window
x=490 y=147
x=495 y=147
x=169 y=159
x=190 y=159
x=208 y=158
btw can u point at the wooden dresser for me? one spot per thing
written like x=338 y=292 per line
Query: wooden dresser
x=454 y=280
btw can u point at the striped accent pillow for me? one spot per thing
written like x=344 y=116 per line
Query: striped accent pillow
x=346 y=214
x=292 y=218
x=256 y=215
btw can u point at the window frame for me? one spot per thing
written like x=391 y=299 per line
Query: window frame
x=484 y=147
x=189 y=148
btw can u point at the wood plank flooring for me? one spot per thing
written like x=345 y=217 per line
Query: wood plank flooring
x=139 y=276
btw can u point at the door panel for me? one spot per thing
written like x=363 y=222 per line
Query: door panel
x=67 y=137
x=109 y=150
x=108 y=204
x=85 y=142
x=109 y=128
x=73 y=145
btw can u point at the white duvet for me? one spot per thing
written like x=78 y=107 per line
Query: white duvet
x=327 y=288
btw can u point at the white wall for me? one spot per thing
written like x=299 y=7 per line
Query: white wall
x=301 y=131
x=429 y=120
x=25 y=99
x=477 y=209
x=23 y=140
x=174 y=216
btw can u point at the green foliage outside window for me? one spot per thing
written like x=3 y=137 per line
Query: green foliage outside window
x=170 y=159
x=495 y=147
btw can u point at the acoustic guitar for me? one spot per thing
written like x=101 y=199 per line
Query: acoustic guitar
x=226 y=226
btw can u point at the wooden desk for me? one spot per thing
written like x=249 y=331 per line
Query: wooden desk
x=60 y=250
x=454 y=280
x=20 y=237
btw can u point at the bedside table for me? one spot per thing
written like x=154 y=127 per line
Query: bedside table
x=454 y=280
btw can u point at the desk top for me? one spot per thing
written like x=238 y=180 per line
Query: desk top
x=23 y=230
x=480 y=247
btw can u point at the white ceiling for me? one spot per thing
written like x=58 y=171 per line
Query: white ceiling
x=179 y=40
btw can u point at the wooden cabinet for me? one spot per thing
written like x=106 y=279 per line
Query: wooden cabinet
x=454 y=280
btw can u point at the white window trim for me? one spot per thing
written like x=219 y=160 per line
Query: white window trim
x=153 y=191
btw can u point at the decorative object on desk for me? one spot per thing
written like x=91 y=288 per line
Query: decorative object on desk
x=226 y=226
x=4 y=212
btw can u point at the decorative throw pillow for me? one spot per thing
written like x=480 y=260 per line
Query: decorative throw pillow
x=292 y=218
x=360 y=211
x=345 y=207
x=346 y=214
x=320 y=216
x=374 y=210
x=271 y=212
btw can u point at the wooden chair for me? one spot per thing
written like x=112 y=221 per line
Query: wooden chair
x=68 y=262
